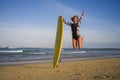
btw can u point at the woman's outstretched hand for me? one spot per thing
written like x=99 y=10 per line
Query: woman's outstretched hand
x=82 y=15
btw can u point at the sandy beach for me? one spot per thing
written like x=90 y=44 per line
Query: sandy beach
x=97 y=69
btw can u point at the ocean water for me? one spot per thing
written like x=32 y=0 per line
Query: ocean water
x=13 y=56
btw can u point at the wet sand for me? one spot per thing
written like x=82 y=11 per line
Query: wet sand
x=97 y=69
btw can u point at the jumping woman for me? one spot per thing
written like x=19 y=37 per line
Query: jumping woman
x=77 y=40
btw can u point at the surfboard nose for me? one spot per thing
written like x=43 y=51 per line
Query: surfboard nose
x=60 y=16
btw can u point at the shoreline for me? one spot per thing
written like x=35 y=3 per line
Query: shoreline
x=50 y=60
x=97 y=69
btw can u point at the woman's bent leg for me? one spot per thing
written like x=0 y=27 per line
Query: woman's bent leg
x=80 y=42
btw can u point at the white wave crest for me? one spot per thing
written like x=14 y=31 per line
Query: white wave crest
x=74 y=52
x=11 y=51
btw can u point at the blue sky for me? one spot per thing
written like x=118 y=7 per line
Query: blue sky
x=33 y=23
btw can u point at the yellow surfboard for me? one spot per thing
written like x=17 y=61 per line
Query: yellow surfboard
x=58 y=41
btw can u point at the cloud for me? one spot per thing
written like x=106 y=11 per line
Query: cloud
x=24 y=37
x=60 y=8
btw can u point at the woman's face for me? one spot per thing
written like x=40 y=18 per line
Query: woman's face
x=75 y=20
